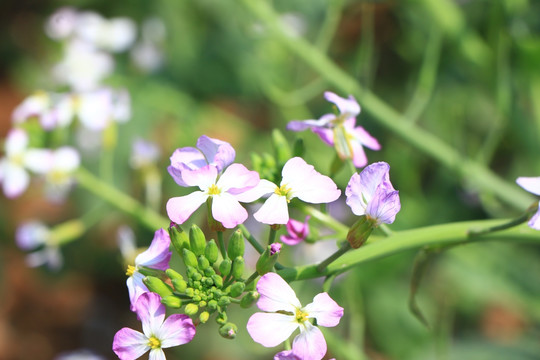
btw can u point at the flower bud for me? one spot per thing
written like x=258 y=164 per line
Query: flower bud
x=172 y=274
x=228 y=330
x=237 y=289
x=218 y=281
x=249 y=299
x=268 y=258
x=221 y=318
x=237 y=267
x=204 y=316
x=157 y=285
x=197 y=241
x=209 y=271
x=224 y=301
x=189 y=258
x=203 y=262
x=190 y=292
x=211 y=252
x=179 y=285
x=225 y=267
x=212 y=305
x=191 y=309
x=360 y=231
x=179 y=238
x=172 y=301
x=236 y=244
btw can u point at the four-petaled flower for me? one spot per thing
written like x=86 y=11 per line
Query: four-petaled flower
x=297 y=231
x=158 y=332
x=370 y=193
x=299 y=179
x=532 y=185
x=340 y=131
x=284 y=314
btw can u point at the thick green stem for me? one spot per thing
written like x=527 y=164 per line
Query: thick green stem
x=251 y=278
x=221 y=244
x=271 y=236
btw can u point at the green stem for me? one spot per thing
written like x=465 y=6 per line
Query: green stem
x=325 y=219
x=251 y=278
x=271 y=236
x=149 y=218
x=401 y=241
x=258 y=247
x=510 y=224
x=342 y=250
x=221 y=244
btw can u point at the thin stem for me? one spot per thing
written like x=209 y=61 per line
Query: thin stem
x=251 y=239
x=342 y=250
x=251 y=278
x=221 y=244
x=510 y=224
x=327 y=284
x=271 y=236
x=325 y=219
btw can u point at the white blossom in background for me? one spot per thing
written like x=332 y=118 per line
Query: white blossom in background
x=143 y=154
x=13 y=175
x=147 y=54
x=62 y=23
x=36 y=237
x=50 y=109
x=114 y=35
x=98 y=108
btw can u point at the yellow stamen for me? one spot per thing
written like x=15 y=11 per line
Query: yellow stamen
x=214 y=190
x=301 y=316
x=283 y=191
x=154 y=342
x=130 y=270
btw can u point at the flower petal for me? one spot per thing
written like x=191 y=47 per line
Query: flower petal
x=151 y=312
x=31 y=234
x=136 y=288
x=15 y=180
x=157 y=255
x=326 y=135
x=273 y=211
x=179 y=209
x=39 y=161
x=310 y=343
x=129 y=344
x=348 y=107
x=156 y=354
x=297 y=232
x=263 y=187
x=361 y=187
x=66 y=159
x=276 y=294
x=95 y=109
x=217 y=152
x=325 y=310
x=531 y=184
x=176 y=330
x=365 y=138
x=237 y=179
x=203 y=177
x=535 y=220
x=16 y=142
x=227 y=210
x=271 y=329
x=384 y=206
x=286 y=355
x=301 y=125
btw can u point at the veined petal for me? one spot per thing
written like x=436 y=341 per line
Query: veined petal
x=156 y=354
x=535 y=220
x=129 y=344
x=237 y=178
x=384 y=206
x=203 y=177
x=157 y=255
x=276 y=294
x=361 y=187
x=15 y=180
x=227 y=210
x=325 y=310
x=365 y=138
x=307 y=184
x=273 y=211
x=531 y=184
x=136 y=288
x=263 y=187
x=217 y=152
x=176 y=330
x=348 y=107
x=151 y=312
x=189 y=156
x=271 y=329
x=310 y=343
x=179 y=209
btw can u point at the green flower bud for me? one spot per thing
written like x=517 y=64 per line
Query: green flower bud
x=268 y=258
x=360 y=231
x=197 y=276
x=228 y=330
x=212 y=305
x=157 y=285
x=238 y=267
x=179 y=285
x=171 y=301
x=172 y=274
x=204 y=316
x=236 y=245
x=218 y=280
x=179 y=238
x=281 y=147
x=190 y=292
x=224 y=301
x=189 y=258
x=249 y=299
x=209 y=271
x=237 y=289
x=197 y=241
x=191 y=309
x=202 y=303
x=197 y=298
x=222 y=318
x=208 y=281
x=203 y=262
x=212 y=251
x=225 y=267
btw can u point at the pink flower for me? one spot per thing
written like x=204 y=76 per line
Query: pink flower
x=157 y=257
x=224 y=191
x=532 y=185
x=370 y=193
x=208 y=152
x=340 y=131
x=297 y=232
x=284 y=314
x=158 y=332
x=299 y=179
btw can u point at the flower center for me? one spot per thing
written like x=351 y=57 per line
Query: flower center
x=130 y=270
x=213 y=190
x=154 y=342
x=57 y=177
x=283 y=190
x=301 y=316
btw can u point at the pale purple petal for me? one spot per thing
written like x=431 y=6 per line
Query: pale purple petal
x=326 y=135
x=297 y=232
x=217 y=152
x=136 y=288
x=49 y=256
x=365 y=138
x=276 y=294
x=228 y=211
x=348 y=107
x=157 y=256
x=361 y=187
x=531 y=184
x=203 y=177
x=286 y=355
x=301 y=125
x=31 y=234
x=307 y=184
x=15 y=180
x=185 y=159
x=176 y=330
x=16 y=142
x=237 y=179
x=325 y=310
x=129 y=344
x=273 y=211
x=271 y=329
x=359 y=157
x=384 y=206
x=151 y=312
x=34 y=105
x=126 y=241
x=310 y=343
x=263 y=187
x=179 y=209
x=535 y=220
x=156 y=354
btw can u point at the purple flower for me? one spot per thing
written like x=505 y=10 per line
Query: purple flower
x=208 y=152
x=297 y=232
x=532 y=185
x=157 y=257
x=275 y=248
x=224 y=192
x=370 y=193
x=340 y=131
x=158 y=332
x=284 y=314
x=299 y=179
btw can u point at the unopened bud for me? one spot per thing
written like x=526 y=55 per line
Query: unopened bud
x=225 y=267
x=157 y=285
x=236 y=244
x=203 y=262
x=237 y=289
x=211 y=252
x=224 y=301
x=179 y=285
x=212 y=305
x=189 y=258
x=179 y=238
x=222 y=318
x=191 y=309
x=359 y=232
x=268 y=259
x=228 y=330
x=204 y=316
x=173 y=274
x=218 y=280
x=197 y=241
x=249 y=299
x=237 y=267
x=172 y=301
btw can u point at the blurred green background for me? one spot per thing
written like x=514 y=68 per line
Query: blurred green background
x=468 y=72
